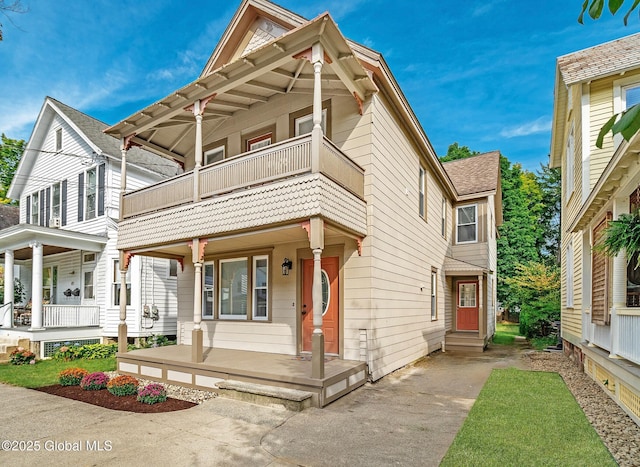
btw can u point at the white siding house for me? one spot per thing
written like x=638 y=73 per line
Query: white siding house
x=65 y=244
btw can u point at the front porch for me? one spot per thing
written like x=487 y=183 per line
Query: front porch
x=174 y=365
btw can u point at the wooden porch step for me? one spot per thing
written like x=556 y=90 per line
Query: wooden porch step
x=272 y=396
x=463 y=342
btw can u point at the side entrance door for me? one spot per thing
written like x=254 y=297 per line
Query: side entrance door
x=330 y=304
x=467 y=306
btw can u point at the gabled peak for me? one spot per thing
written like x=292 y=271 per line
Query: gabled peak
x=255 y=23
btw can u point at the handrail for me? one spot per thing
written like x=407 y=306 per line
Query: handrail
x=9 y=307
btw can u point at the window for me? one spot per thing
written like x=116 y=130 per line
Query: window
x=236 y=288
x=259 y=141
x=467 y=225
x=214 y=155
x=569 y=182
x=569 y=255
x=89 y=257
x=59 y=139
x=91 y=187
x=444 y=218
x=49 y=284
x=422 y=189
x=88 y=285
x=467 y=295
x=434 y=294
x=631 y=96
x=208 y=291
x=55 y=201
x=173 y=268
x=90 y=194
x=599 y=278
x=117 y=285
x=260 y=287
x=303 y=125
x=35 y=209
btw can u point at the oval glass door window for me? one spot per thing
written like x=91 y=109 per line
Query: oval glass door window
x=326 y=294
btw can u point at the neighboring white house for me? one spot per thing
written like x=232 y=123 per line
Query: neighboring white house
x=314 y=217
x=600 y=295
x=65 y=243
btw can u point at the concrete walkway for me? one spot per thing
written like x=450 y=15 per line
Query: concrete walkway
x=408 y=418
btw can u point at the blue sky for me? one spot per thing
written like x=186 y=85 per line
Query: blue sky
x=479 y=73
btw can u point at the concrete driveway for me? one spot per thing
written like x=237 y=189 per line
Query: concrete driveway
x=408 y=418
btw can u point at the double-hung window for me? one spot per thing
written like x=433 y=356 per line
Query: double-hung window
x=422 y=192
x=91 y=193
x=214 y=155
x=35 y=208
x=303 y=125
x=117 y=285
x=236 y=288
x=434 y=294
x=467 y=224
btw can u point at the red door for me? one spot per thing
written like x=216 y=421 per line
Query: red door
x=467 y=306
x=330 y=304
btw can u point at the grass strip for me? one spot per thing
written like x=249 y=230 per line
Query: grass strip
x=45 y=372
x=505 y=333
x=526 y=418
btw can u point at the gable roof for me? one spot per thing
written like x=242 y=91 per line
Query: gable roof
x=475 y=174
x=91 y=131
x=602 y=60
x=9 y=215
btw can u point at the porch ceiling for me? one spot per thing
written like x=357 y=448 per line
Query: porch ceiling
x=19 y=237
x=167 y=127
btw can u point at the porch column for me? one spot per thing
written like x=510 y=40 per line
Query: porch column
x=123 y=177
x=197 y=112
x=619 y=280
x=196 y=335
x=317 y=59
x=36 y=286
x=7 y=321
x=482 y=308
x=317 y=339
x=122 y=325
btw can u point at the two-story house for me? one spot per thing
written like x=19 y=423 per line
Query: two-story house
x=321 y=241
x=600 y=306
x=65 y=243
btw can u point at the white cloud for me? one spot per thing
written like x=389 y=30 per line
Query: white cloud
x=539 y=125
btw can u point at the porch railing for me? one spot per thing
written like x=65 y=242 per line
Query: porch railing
x=70 y=316
x=278 y=161
x=628 y=332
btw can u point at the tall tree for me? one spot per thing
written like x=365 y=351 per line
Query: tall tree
x=10 y=153
x=549 y=180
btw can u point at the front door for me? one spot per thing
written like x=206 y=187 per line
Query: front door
x=330 y=304
x=467 y=306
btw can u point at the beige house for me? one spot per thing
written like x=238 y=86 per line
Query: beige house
x=322 y=242
x=600 y=306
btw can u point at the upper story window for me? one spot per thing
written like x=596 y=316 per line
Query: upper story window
x=570 y=172
x=467 y=224
x=214 y=155
x=303 y=125
x=422 y=192
x=35 y=208
x=116 y=284
x=91 y=186
x=59 y=139
x=626 y=94
x=434 y=294
x=631 y=96
x=48 y=207
x=260 y=141
x=443 y=229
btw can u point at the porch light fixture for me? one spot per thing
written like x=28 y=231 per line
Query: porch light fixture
x=287 y=265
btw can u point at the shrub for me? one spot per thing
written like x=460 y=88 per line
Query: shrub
x=67 y=352
x=20 y=356
x=72 y=376
x=94 y=381
x=70 y=351
x=123 y=385
x=152 y=393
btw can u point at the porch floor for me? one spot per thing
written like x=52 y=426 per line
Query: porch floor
x=172 y=364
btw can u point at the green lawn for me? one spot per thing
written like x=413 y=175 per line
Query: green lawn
x=45 y=372
x=524 y=418
x=505 y=333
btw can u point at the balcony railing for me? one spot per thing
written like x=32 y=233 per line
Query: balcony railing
x=70 y=316
x=628 y=332
x=278 y=161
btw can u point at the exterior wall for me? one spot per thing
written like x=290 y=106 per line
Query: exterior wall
x=404 y=248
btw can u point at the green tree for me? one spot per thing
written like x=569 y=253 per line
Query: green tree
x=455 y=152
x=10 y=153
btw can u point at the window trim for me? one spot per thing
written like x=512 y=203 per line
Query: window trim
x=35 y=213
x=255 y=288
x=422 y=192
x=434 y=294
x=92 y=285
x=326 y=107
x=213 y=288
x=256 y=136
x=619 y=100
x=475 y=240
x=212 y=148
x=219 y=289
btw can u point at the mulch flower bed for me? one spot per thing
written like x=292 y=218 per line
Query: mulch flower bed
x=104 y=398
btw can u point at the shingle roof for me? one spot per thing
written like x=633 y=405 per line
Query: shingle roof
x=94 y=130
x=9 y=215
x=476 y=174
x=601 y=60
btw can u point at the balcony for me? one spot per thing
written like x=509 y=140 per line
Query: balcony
x=279 y=161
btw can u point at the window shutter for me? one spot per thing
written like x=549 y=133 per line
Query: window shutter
x=600 y=278
x=63 y=202
x=42 y=205
x=101 y=189
x=47 y=208
x=80 y=196
x=28 y=201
